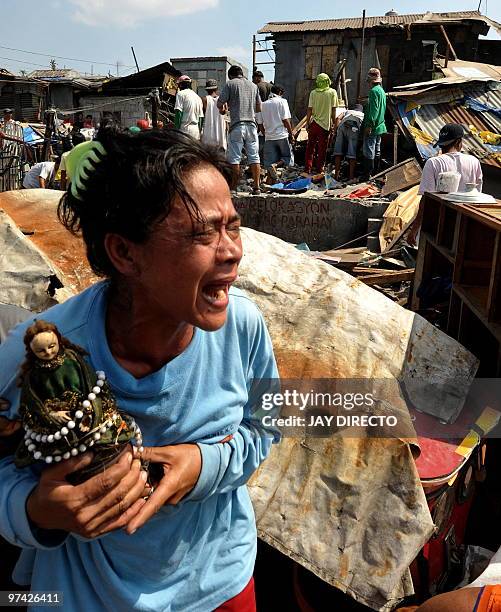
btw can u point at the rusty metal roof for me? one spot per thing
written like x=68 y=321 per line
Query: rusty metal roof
x=355 y=23
x=448 y=106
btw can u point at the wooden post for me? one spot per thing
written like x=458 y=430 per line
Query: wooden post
x=395 y=144
x=253 y=53
x=49 y=125
x=345 y=90
x=155 y=98
x=361 y=58
x=449 y=47
x=135 y=59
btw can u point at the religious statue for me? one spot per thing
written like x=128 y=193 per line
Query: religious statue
x=67 y=408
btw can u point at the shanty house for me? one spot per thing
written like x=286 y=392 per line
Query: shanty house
x=405 y=48
x=23 y=94
x=125 y=99
x=64 y=86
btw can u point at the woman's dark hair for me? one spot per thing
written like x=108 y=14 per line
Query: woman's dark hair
x=277 y=89
x=133 y=187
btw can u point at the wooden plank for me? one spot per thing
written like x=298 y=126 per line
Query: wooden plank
x=313 y=62
x=299 y=126
x=419 y=271
x=363 y=270
x=448 y=42
x=303 y=89
x=458 y=263
x=329 y=59
x=495 y=281
x=388 y=277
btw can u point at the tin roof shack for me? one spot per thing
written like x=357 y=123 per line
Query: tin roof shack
x=64 y=86
x=403 y=46
x=125 y=99
x=202 y=68
x=24 y=94
x=421 y=109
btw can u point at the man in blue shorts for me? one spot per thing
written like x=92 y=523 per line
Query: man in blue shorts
x=244 y=102
x=347 y=135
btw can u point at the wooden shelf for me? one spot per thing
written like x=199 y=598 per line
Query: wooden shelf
x=462 y=242
x=447 y=253
x=475 y=296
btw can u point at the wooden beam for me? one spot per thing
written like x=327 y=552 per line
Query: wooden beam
x=388 y=277
x=448 y=42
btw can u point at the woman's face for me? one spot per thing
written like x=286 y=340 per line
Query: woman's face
x=185 y=271
x=45 y=345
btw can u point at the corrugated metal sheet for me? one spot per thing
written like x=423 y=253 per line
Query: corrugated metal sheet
x=430 y=118
x=355 y=23
x=63 y=73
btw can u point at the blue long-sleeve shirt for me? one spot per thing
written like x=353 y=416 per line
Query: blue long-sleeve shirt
x=190 y=557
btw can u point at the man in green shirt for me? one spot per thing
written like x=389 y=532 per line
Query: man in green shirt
x=320 y=120
x=374 y=124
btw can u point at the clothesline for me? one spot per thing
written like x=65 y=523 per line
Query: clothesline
x=72 y=111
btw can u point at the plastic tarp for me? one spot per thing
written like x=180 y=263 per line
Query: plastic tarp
x=25 y=273
x=480 y=107
x=350 y=510
x=31 y=137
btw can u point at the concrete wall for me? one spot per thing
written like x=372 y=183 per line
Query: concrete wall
x=323 y=223
x=127 y=113
x=201 y=69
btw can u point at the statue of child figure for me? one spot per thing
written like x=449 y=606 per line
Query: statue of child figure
x=67 y=408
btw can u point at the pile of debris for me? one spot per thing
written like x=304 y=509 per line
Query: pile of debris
x=387 y=263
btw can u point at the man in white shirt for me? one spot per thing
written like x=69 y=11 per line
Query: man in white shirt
x=274 y=121
x=41 y=175
x=450 y=141
x=188 y=109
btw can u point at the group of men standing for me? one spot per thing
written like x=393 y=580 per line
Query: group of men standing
x=323 y=122
x=255 y=117
x=243 y=116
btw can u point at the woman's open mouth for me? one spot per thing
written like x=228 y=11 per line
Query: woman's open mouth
x=216 y=295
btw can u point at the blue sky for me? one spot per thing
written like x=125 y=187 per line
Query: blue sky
x=104 y=30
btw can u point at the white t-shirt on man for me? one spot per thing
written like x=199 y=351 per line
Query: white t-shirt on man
x=466 y=165
x=43 y=170
x=272 y=114
x=190 y=104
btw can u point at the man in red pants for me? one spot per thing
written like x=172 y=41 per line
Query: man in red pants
x=320 y=119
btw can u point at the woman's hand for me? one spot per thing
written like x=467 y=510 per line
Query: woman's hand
x=105 y=502
x=181 y=465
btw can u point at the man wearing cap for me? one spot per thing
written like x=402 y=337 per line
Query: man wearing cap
x=214 y=130
x=263 y=86
x=320 y=120
x=242 y=98
x=374 y=124
x=8 y=116
x=450 y=141
x=188 y=109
